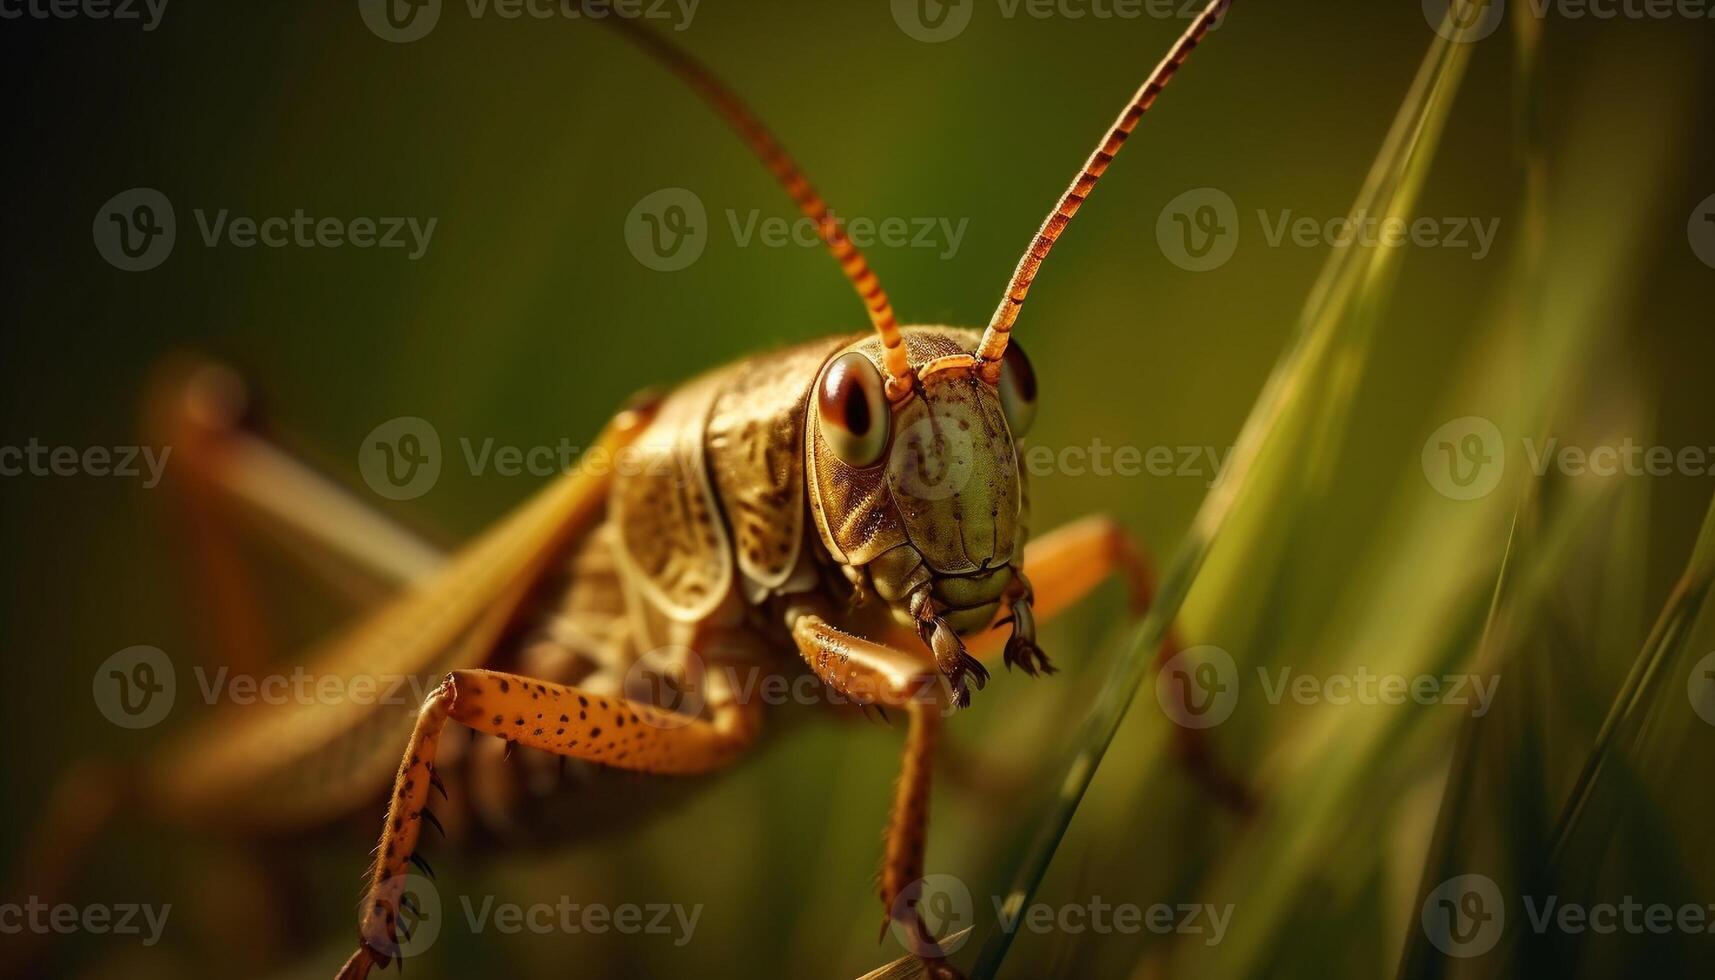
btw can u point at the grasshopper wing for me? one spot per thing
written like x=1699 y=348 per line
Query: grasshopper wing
x=333 y=741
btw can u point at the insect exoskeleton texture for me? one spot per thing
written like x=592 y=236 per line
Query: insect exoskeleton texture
x=916 y=500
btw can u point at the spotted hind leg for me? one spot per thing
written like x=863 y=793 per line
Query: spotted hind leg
x=552 y=717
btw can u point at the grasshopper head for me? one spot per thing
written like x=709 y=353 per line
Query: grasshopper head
x=913 y=472
x=922 y=492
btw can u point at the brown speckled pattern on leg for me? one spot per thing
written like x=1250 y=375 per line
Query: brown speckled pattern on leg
x=609 y=730
x=552 y=717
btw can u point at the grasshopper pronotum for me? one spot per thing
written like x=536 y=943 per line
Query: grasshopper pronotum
x=778 y=510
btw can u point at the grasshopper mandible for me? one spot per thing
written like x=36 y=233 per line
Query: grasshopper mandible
x=856 y=502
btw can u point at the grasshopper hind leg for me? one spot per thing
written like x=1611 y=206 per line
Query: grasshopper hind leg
x=533 y=714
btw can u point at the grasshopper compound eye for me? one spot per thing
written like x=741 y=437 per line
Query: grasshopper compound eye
x=853 y=409
x=1017 y=390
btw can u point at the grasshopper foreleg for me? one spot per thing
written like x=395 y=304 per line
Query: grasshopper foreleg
x=863 y=671
x=951 y=658
x=1021 y=649
x=907 y=835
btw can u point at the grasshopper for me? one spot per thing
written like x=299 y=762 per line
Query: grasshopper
x=855 y=502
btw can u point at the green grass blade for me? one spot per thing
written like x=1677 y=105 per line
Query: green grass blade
x=1349 y=279
x=1667 y=648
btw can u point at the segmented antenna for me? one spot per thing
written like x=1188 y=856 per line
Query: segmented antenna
x=1000 y=326
x=786 y=171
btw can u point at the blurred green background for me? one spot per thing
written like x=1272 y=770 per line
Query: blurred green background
x=528 y=320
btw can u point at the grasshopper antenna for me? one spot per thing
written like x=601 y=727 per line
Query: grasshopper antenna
x=999 y=330
x=786 y=171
